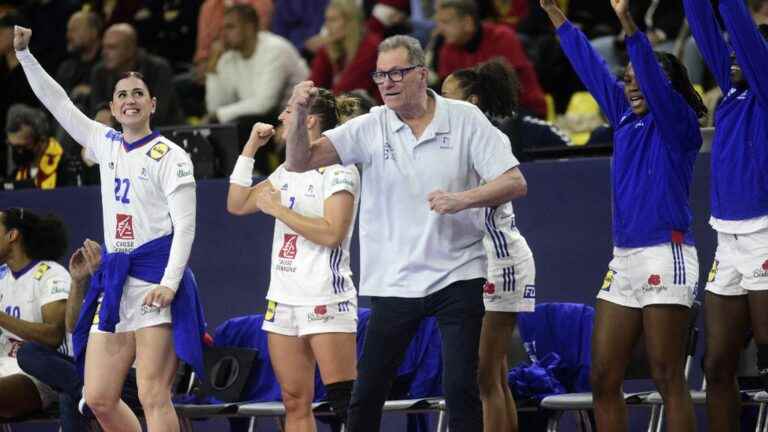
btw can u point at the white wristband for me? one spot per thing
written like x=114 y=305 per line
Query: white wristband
x=242 y=175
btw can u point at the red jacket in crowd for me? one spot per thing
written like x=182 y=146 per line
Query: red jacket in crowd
x=356 y=75
x=496 y=40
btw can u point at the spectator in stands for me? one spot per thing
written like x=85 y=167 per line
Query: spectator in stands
x=190 y=85
x=494 y=88
x=210 y=23
x=660 y=20
x=51 y=17
x=14 y=88
x=58 y=369
x=83 y=44
x=120 y=54
x=168 y=28
x=256 y=73
x=36 y=155
x=116 y=11
x=311 y=317
x=33 y=293
x=404 y=289
x=301 y=22
x=348 y=56
x=652 y=278
x=468 y=41
x=737 y=289
x=510 y=285
x=390 y=17
x=508 y=12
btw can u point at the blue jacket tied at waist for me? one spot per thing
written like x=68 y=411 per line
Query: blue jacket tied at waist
x=147 y=263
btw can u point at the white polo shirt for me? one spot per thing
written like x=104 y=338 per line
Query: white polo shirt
x=407 y=250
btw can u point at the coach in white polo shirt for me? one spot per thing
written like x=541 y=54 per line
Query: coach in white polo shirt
x=423 y=160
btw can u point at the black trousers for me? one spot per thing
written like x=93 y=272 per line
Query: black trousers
x=459 y=311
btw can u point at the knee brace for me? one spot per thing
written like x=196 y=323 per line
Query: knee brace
x=339 y=394
x=762 y=363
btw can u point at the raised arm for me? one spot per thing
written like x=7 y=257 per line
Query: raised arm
x=299 y=154
x=750 y=46
x=242 y=198
x=669 y=108
x=51 y=94
x=709 y=40
x=591 y=68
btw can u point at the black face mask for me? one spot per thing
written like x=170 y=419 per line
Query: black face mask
x=23 y=156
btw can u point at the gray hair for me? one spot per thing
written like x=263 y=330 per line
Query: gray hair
x=20 y=115
x=411 y=44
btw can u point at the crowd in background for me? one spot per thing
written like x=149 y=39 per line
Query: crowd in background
x=236 y=61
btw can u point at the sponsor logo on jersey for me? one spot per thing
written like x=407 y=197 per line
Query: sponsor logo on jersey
x=310 y=191
x=529 y=292
x=158 y=151
x=343 y=181
x=124 y=227
x=40 y=271
x=183 y=169
x=320 y=314
x=288 y=250
x=59 y=286
x=445 y=142
x=3 y=270
x=654 y=284
x=607 y=281
x=762 y=271
x=144 y=174
x=111 y=165
x=713 y=271
x=284 y=187
x=270 y=314
x=489 y=288
x=148 y=309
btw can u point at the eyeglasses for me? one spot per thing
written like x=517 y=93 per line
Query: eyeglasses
x=395 y=75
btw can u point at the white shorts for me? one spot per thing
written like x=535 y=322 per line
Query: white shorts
x=511 y=288
x=10 y=366
x=741 y=264
x=292 y=320
x=662 y=274
x=133 y=314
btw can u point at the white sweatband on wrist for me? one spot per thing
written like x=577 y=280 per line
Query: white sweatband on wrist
x=242 y=174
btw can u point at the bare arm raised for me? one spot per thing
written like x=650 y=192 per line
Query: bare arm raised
x=50 y=93
x=242 y=198
x=300 y=154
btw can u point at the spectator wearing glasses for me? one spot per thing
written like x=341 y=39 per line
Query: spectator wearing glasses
x=423 y=160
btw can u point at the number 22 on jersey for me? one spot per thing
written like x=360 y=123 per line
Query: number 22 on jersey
x=122 y=187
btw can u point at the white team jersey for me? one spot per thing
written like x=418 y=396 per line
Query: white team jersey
x=303 y=272
x=23 y=295
x=504 y=245
x=136 y=181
